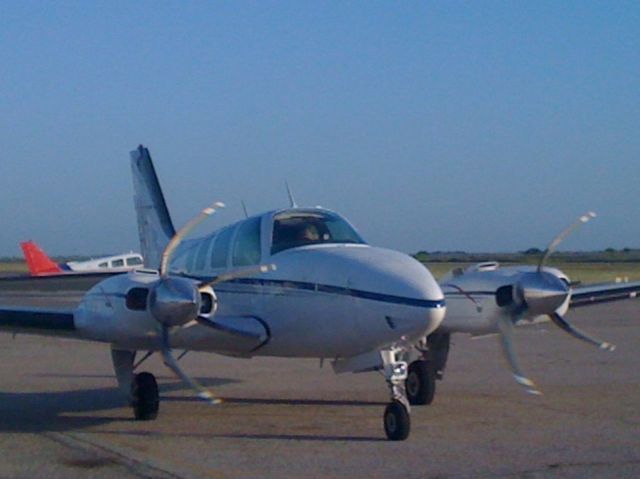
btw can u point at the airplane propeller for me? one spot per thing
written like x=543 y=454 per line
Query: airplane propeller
x=535 y=294
x=175 y=301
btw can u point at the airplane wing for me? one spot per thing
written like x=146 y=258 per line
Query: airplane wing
x=604 y=293
x=36 y=321
x=56 y=283
x=30 y=304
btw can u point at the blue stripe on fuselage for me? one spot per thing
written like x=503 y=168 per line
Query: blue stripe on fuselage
x=323 y=288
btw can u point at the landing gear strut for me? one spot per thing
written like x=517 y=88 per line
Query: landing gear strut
x=397 y=422
x=438 y=345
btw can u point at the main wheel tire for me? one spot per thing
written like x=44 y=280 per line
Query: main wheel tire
x=145 y=397
x=420 y=383
x=397 y=422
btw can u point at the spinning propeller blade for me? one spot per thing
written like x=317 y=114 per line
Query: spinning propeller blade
x=179 y=236
x=575 y=332
x=539 y=293
x=176 y=301
x=505 y=325
x=561 y=237
x=171 y=363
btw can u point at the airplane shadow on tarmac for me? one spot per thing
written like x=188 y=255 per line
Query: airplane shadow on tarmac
x=59 y=411
x=62 y=411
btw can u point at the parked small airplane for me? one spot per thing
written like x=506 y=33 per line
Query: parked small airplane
x=40 y=264
x=297 y=282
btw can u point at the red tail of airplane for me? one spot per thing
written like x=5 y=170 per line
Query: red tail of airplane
x=38 y=261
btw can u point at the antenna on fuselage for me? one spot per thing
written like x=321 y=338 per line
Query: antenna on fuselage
x=244 y=208
x=292 y=201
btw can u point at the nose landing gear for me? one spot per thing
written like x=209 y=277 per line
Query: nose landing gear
x=397 y=422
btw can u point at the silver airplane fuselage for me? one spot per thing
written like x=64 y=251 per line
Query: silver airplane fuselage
x=324 y=299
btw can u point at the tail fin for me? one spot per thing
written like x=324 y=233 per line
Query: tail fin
x=155 y=227
x=37 y=260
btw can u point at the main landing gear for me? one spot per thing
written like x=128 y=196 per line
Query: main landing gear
x=421 y=382
x=145 y=398
x=427 y=368
x=141 y=389
x=397 y=422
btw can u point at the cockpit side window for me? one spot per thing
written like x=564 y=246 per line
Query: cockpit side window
x=247 y=246
x=294 y=229
x=134 y=260
x=221 y=248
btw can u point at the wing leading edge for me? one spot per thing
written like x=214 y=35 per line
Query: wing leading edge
x=604 y=293
x=36 y=321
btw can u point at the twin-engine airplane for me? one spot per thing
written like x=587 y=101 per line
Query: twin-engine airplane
x=297 y=282
x=40 y=264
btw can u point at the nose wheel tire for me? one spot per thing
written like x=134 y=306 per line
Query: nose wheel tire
x=145 y=398
x=397 y=422
x=420 y=383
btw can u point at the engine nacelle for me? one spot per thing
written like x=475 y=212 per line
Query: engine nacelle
x=130 y=309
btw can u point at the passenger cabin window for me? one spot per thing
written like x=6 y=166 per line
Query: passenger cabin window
x=184 y=258
x=293 y=229
x=221 y=248
x=134 y=261
x=117 y=263
x=246 y=248
x=201 y=256
x=103 y=265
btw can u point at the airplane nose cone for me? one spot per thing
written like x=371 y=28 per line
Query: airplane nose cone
x=543 y=292
x=392 y=294
x=405 y=292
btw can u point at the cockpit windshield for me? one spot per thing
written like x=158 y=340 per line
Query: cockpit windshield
x=299 y=228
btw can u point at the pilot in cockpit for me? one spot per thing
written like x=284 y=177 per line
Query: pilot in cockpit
x=309 y=234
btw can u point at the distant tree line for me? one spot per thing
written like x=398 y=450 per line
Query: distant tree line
x=531 y=255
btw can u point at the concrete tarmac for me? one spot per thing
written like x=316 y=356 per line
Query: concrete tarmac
x=61 y=415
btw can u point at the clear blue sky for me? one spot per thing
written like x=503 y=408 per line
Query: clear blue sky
x=479 y=125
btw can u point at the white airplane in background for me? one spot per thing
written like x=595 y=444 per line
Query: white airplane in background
x=40 y=264
x=297 y=282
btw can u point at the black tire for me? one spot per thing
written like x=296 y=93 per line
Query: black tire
x=397 y=422
x=420 y=383
x=145 y=398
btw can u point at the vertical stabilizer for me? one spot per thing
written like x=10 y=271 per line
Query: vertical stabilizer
x=155 y=227
x=38 y=261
